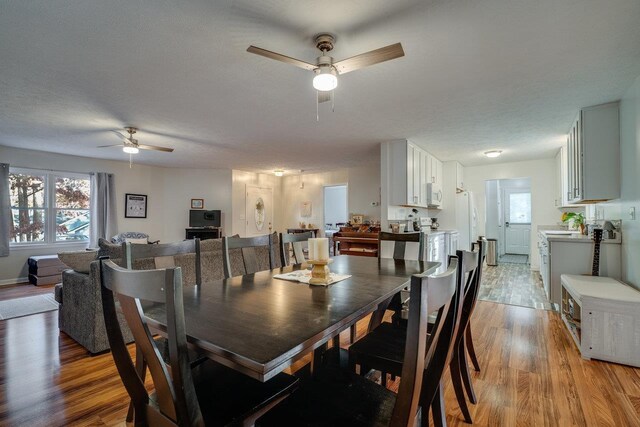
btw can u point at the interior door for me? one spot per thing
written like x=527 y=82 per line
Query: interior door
x=259 y=211
x=517 y=226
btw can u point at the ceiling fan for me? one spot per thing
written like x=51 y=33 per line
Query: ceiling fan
x=130 y=145
x=325 y=69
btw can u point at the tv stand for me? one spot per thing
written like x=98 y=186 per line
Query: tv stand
x=203 y=233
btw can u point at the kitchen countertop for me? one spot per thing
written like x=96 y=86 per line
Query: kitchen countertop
x=575 y=237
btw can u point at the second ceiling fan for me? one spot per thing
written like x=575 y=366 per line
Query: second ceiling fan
x=325 y=69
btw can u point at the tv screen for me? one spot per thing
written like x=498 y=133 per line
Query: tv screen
x=201 y=218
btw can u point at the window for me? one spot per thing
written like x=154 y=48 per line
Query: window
x=520 y=208
x=49 y=207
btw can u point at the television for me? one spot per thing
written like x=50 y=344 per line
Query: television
x=202 y=218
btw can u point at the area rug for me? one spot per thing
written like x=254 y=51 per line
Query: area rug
x=26 y=306
x=514 y=259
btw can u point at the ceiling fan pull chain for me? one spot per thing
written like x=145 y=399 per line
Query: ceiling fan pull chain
x=317 y=106
x=130 y=160
x=333 y=101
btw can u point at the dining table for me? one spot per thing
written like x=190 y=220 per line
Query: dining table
x=259 y=325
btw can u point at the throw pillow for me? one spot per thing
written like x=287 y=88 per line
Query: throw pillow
x=79 y=261
x=141 y=241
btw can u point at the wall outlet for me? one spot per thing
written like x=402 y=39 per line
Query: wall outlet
x=632 y=212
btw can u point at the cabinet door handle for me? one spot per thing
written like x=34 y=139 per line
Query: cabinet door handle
x=575 y=192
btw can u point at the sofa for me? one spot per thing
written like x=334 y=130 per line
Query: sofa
x=79 y=297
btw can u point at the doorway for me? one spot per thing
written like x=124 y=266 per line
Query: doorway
x=508 y=219
x=335 y=208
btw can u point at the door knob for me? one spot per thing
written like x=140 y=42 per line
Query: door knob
x=506 y=224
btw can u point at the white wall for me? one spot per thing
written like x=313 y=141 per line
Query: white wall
x=630 y=185
x=169 y=192
x=181 y=185
x=240 y=180
x=543 y=185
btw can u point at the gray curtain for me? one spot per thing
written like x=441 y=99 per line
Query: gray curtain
x=103 y=207
x=5 y=210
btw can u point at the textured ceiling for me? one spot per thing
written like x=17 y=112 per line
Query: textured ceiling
x=477 y=75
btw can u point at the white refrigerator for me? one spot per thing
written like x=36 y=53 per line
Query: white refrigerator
x=466 y=220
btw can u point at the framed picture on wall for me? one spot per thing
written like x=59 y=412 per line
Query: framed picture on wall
x=357 y=219
x=197 y=203
x=135 y=205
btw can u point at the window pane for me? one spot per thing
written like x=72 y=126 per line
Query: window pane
x=28 y=225
x=27 y=191
x=72 y=193
x=520 y=208
x=72 y=225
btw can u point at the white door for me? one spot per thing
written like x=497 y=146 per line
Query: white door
x=517 y=225
x=259 y=211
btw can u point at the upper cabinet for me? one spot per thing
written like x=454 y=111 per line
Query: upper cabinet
x=593 y=155
x=412 y=169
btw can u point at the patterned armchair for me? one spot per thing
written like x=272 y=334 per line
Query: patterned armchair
x=131 y=236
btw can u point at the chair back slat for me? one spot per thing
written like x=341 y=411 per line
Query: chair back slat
x=401 y=246
x=471 y=290
x=163 y=254
x=248 y=246
x=175 y=392
x=428 y=294
x=295 y=240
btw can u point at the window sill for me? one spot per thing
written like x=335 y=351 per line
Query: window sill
x=62 y=246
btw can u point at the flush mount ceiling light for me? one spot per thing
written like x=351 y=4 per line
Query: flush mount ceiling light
x=325 y=79
x=278 y=172
x=493 y=153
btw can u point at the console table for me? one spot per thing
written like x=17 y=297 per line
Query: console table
x=203 y=233
x=303 y=230
x=603 y=317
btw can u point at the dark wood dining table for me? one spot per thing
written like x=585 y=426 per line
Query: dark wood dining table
x=259 y=325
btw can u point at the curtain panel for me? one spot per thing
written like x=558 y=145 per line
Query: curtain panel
x=5 y=210
x=103 y=207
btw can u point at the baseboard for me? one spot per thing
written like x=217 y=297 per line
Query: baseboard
x=14 y=281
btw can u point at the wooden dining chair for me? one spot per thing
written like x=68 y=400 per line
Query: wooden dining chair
x=163 y=255
x=409 y=246
x=338 y=397
x=210 y=394
x=295 y=240
x=383 y=348
x=468 y=335
x=247 y=247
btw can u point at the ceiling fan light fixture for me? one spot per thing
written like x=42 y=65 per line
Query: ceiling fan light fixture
x=278 y=172
x=130 y=149
x=325 y=79
x=493 y=153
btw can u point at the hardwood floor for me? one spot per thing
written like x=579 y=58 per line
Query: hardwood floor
x=532 y=375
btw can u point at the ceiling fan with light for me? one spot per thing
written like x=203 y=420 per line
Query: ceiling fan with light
x=130 y=145
x=325 y=69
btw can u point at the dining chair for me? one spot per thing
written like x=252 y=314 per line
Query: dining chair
x=468 y=335
x=383 y=348
x=339 y=397
x=295 y=240
x=247 y=247
x=163 y=256
x=209 y=394
x=409 y=246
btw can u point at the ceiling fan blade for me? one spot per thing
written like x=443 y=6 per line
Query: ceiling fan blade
x=154 y=147
x=383 y=54
x=107 y=146
x=324 y=96
x=120 y=134
x=282 y=58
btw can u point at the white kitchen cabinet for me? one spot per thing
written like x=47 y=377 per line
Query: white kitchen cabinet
x=412 y=168
x=593 y=155
x=459 y=177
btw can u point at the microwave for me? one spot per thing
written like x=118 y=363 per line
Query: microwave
x=434 y=195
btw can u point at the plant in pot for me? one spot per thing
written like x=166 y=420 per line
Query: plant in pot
x=575 y=220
